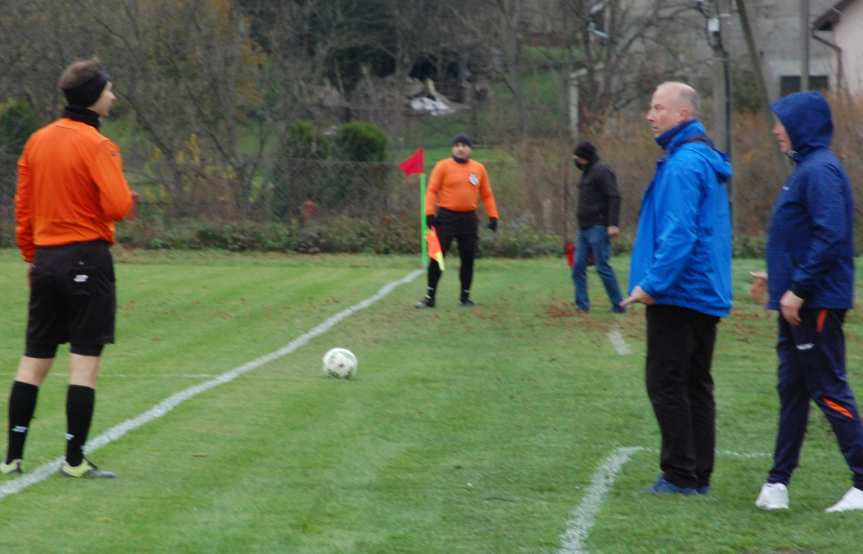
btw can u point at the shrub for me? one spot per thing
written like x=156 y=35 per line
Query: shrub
x=359 y=141
x=248 y=236
x=519 y=240
x=391 y=234
x=303 y=140
x=749 y=246
x=301 y=144
x=18 y=121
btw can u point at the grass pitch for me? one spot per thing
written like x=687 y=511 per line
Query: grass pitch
x=465 y=430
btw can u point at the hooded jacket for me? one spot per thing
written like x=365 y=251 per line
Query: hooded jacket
x=598 y=197
x=810 y=247
x=682 y=252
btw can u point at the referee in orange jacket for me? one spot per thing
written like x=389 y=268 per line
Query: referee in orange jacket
x=71 y=190
x=455 y=186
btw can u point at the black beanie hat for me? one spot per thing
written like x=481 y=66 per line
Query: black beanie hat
x=461 y=138
x=586 y=151
x=87 y=93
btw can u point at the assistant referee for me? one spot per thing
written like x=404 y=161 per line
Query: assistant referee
x=71 y=190
x=455 y=186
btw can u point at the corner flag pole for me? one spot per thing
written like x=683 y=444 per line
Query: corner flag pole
x=423 y=250
x=414 y=165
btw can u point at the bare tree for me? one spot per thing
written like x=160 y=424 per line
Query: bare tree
x=623 y=48
x=195 y=84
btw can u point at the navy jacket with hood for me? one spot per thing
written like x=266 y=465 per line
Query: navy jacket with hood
x=682 y=252
x=810 y=248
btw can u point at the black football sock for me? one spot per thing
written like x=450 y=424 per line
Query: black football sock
x=80 y=401
x=22 y=404
x=434 y=275
x=465 y=272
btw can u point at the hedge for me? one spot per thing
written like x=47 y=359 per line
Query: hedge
x=342 y=234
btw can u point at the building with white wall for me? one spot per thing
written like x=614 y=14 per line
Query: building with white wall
x=841 y=25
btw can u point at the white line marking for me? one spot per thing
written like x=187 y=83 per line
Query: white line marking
x=617 y=341
x=156 y=376
x=582 y=517
x=743 y=455
x=726 y=453
x=50 y=468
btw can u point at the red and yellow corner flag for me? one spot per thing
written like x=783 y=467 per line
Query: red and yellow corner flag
x=413 y=163
x=434 y=249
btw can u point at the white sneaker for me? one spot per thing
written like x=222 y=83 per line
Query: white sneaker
x=774 y=496
x=853 y=500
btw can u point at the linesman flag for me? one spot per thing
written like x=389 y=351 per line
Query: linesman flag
x=434 y=249
x=413 y=163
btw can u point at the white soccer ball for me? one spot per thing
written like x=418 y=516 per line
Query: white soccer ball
x=340 y=362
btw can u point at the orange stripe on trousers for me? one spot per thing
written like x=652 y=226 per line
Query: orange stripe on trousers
x=842 y=410
x=822 y=315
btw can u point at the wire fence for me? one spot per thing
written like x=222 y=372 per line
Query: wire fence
x=534 y=182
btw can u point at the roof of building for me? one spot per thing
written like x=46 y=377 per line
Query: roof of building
x=827 y=20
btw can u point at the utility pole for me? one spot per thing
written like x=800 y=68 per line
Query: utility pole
x=722 y=109
x=804 y=44
x=716 y=19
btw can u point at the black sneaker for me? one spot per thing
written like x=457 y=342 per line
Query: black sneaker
x=426 y=302
x=467 y=303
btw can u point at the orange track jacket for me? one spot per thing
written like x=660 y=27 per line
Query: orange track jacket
x=457 y=186
x=71 y=187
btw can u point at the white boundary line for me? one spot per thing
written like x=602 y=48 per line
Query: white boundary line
x=583 y=516
x=744 y=455
x=50 y=468
x=618 y=342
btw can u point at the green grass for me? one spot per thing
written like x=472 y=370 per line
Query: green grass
x=464 y=431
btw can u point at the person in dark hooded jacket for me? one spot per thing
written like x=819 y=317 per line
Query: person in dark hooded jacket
x=810 y=280
x=598 y=215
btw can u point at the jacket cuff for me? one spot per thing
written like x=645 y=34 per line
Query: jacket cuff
x=648 y=289
x=800 y=290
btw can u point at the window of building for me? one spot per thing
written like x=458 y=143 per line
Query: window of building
x=791 y=83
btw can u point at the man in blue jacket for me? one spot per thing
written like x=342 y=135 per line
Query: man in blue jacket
x=681 y=269
x=810 y=280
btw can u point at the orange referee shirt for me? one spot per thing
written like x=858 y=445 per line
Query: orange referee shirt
x=71 y=187
x=458 y=186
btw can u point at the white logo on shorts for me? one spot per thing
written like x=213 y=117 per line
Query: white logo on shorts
x=807 y=346
x=80 y=278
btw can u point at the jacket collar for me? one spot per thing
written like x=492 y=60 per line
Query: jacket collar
x=672 y=138
x=77 y=113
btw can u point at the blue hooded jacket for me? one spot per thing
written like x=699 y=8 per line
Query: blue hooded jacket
x=682 y=252
x=810 y=246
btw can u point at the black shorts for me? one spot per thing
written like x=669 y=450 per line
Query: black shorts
x=72 y=299
x=462 y=226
